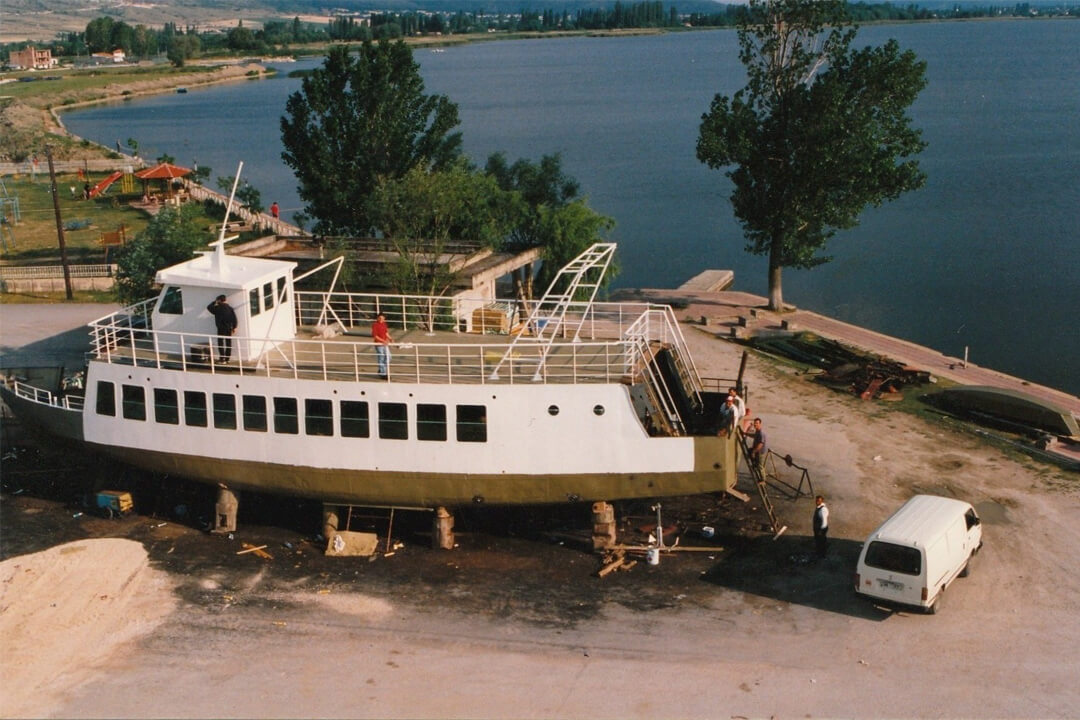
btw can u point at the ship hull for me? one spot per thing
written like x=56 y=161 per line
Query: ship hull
x=423 y=489
x=541 y=444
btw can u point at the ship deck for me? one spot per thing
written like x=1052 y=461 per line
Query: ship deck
x=607 y=348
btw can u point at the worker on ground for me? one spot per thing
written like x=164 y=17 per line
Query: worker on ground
x=821 y=526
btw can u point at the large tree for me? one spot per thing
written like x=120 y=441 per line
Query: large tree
x=424 y=215
x=551 y=215
x=819 y=132
x=359 y=118
x=172 y=236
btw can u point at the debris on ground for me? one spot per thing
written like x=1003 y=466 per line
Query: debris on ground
x=867 y=375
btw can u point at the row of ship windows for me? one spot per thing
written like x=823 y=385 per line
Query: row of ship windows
x=353 y=417
x=172 y=300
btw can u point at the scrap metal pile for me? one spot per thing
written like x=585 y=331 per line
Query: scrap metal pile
x=861 y=373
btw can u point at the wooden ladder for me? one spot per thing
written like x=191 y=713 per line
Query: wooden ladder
x=759 y=480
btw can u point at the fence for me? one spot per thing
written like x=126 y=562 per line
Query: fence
x=41 y=169
x=50 y=278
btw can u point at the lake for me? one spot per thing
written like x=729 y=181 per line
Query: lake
x=985 y=256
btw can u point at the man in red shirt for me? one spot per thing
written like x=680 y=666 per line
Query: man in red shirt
x=380 y=333
x=274 y=210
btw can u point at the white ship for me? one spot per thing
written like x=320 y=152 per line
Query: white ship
x=583 y=401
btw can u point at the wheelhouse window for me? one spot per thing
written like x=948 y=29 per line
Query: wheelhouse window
x=195 y=408
x=472 y=423
x=268 y=295
x=355 y=421
x=282 y=291
x=224 y=411
x=106 y=398
x=255 y=413
x=894 y=558
x=253 y=302
x=133 y=398
x=430 y=422
x=286 y=416
x=393 y=421
x=166 y=406
x=318 y=417
x=172 y=301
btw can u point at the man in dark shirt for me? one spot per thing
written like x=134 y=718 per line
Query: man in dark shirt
x=225 y=319
x=757 y=446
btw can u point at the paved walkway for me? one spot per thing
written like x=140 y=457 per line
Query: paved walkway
x=725 y=314
x=723 y=311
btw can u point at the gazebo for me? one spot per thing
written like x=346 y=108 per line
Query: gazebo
x=166 y=172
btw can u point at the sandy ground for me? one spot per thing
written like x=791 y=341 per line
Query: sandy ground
x=65 y=608
x=522 y=628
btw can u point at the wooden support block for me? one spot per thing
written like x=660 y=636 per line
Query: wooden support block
x=607 y=528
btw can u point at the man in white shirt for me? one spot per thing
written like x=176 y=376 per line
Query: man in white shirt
x=821 y=525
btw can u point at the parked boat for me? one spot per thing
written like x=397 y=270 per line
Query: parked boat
x=580 y=401
x=1010 y=408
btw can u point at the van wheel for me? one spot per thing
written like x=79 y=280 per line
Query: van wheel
x=967 y=566
x=935 y=606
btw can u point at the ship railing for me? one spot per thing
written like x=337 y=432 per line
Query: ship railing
x=118 y=329
x=45 y=397
x=357 y=311
x=653 y=332
x=344 y=359
x=602 y=351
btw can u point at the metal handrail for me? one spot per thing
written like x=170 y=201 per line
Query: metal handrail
x=45 y=397
x=605 y=346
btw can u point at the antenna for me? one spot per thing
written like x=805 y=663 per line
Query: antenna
x=219 y=244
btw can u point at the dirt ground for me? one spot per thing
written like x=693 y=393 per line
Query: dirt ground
x=514 y=622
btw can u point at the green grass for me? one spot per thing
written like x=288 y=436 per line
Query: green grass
x=80 y=85
x=36 y=239
x=49 y=298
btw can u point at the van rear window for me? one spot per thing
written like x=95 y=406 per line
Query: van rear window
x=894 y=558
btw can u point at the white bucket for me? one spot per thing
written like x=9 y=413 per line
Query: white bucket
x=652 y=556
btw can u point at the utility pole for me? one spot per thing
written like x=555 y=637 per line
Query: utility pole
x=59 y=224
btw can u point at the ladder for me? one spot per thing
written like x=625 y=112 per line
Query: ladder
x=549 y=317
x=759 y=479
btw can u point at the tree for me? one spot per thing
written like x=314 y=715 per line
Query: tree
x=356 y=120
x=247 y=195
x=818 y=133
x=551 y=215
x=426 y=214
x=172 y=236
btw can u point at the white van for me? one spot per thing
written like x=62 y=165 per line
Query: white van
x=917 y=552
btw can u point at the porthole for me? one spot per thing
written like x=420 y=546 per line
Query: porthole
x=553 y=410
x=598 y=410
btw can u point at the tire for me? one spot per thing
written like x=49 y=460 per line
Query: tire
x=967 y=566
x=935 y=607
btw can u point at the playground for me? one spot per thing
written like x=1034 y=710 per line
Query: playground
x=97 y=210
x=29 y=219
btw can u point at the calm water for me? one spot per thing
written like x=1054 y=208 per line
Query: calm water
x=986 y=255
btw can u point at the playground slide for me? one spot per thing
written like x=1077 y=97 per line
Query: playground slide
x=104 y=184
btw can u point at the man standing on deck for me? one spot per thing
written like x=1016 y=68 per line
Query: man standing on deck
x=225 y=319
x=274 y=210
x=380 y=333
